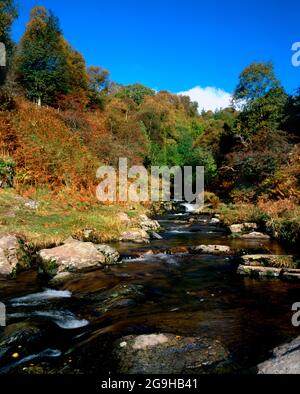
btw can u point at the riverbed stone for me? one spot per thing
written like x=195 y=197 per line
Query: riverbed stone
x=13 y=256
x=255 y=235
x=164 y=353
x=285 y=360
x=259 y=272
x=72 y=257
x=242 y=227
x=136 y=236
x=211 y=249
x=266 y=260
x=148 y=224
x=112 y=256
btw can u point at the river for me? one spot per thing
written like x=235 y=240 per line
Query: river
x=75 y=325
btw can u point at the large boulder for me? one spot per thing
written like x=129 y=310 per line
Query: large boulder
x=148 y=224
x=13 y=256
x=243 y=227
x=285 y=360
x=169 y=354
x=76 y=256
x=211 y=249
x=136 y=236
x=269 y=260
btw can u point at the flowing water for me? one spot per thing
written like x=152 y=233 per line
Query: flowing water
x=187 y=295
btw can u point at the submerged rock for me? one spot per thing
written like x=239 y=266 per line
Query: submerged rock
x=13 y=256
x=169 y=354
x=136 y=236
x=266 y=260
x=22 y=334
x=211 y=249
x=285 y=360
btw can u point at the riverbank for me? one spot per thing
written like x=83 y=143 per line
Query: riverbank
x=47 y=220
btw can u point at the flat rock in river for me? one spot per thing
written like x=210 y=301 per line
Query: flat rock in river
x=211 y=249
x=169 y=354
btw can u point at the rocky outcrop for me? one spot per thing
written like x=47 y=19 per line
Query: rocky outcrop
x=148 y=224
x=291 y=274
x=169 y=354
x=77 y=256
x=136 y=236
x=13 y=256
x=242 y=228
x=285 y=360
x=211 y=249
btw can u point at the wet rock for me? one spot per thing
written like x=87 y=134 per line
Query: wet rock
x=62 y=278
x=120 y=296
x=17 y=338
x=155 y=235
x=211 y=249
x=291 y=274
x=112 y=256
x=13 y=256
x=148 y=224
x=259 y=272
x=136 y=236
x=266 y=260
x=169 y=354
x=124 y=218
x=255 y=235
x=285 y=360
x=243 y=227
x=215 y=221
x=74 y=256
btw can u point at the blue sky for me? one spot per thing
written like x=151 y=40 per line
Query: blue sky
x=179 y=45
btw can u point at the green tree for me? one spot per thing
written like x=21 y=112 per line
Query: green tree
x=261 y=98
x=41 y=60
x=8 y=13
x=136 y=92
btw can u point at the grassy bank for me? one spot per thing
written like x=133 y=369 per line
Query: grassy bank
x=280 y=219
x=57 y=218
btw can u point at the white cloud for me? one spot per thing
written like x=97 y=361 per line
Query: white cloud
x=209 y=98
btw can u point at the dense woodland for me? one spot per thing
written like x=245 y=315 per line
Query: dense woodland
x=60 y=119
